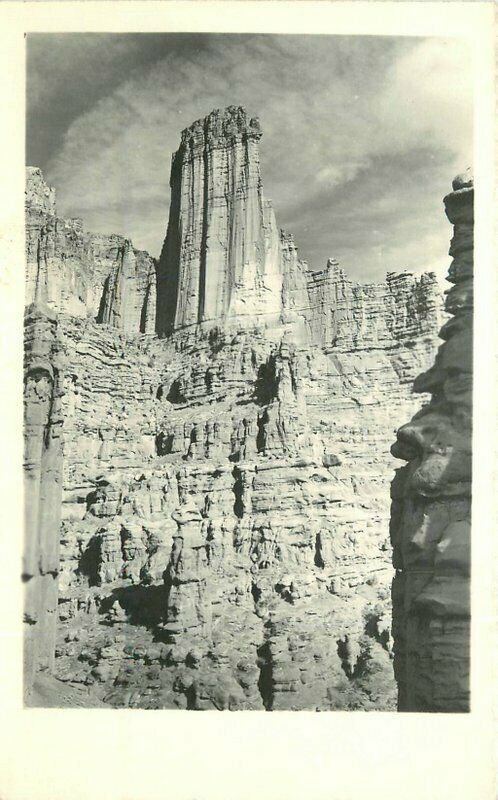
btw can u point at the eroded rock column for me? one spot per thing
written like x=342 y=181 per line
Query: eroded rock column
x=221 y=256
x=42 y=490
x=431 y=506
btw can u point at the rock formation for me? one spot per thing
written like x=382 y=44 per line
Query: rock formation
x=42 y=488
x=83 y=274
x=431 y=507
x=225 y=483
x=221 y=254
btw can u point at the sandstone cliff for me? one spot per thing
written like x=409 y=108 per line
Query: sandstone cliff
x=351 y=316
x=225 y=485
x=431 y=508
x=83 y=274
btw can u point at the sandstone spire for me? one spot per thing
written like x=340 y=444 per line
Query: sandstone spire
x=221 y=254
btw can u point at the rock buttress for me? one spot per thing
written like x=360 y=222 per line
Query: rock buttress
x=43 y=453
x=221 y=254
x=431 y=505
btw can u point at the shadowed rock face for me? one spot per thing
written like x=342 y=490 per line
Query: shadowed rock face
x=431 y=508
x=225 y=486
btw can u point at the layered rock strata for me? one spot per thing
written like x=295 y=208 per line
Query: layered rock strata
x=225 y=484
x=349 y=316
x=431 y=507
x=84 y=274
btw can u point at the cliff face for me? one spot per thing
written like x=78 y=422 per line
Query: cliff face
x=351 y=316
x=221 y=254
x=225 y=487
x=431 y=508
x=83 y=274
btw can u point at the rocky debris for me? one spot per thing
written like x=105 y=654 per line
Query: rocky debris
x=225 y=484
x=49 y=692
x=84 y=274
x=42 y=488
x=431 y=507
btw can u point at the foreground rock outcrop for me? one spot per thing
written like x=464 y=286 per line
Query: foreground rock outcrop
x=431 y=508
x=225 y=484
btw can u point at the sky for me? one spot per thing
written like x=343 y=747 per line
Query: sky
x=362 y=135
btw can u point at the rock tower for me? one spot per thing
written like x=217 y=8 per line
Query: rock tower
x=221 y=254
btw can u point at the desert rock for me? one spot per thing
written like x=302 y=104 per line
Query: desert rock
x=225 y=483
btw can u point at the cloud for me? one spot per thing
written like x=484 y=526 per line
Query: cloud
x=362 y=135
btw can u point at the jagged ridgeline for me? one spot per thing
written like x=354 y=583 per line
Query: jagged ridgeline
x=208 y=473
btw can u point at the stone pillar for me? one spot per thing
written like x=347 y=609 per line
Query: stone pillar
x=221 y=255
x=121 y=301
x=188 y=614
x=42 y=490
x=431 y=502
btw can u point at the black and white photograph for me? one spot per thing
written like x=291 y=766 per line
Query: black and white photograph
x=218 y=384
x=248 y=376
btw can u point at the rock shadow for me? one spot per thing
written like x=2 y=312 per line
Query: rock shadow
x=144 y=605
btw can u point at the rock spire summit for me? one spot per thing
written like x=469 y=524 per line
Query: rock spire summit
x=221 y=256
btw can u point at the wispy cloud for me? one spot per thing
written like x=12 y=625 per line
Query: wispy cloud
x=362 y=135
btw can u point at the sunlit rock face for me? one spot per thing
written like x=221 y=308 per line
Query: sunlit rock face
x=221 y=254
x=225 y=500
x=43 y=424
x=431 y=508
x=82 y=274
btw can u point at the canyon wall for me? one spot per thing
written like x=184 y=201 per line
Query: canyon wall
x=349 y=316
x=225 y=484
x=431 y=507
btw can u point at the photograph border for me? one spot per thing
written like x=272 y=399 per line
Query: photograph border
x=136 y=755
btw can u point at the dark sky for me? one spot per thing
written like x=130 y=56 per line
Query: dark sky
x=362 y=135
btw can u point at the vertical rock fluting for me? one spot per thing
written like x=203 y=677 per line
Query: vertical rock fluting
x=43 y=488
x=431 y=506
x=221 y=254
x=128 y=299
x=71 y=271
x=350 y=316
